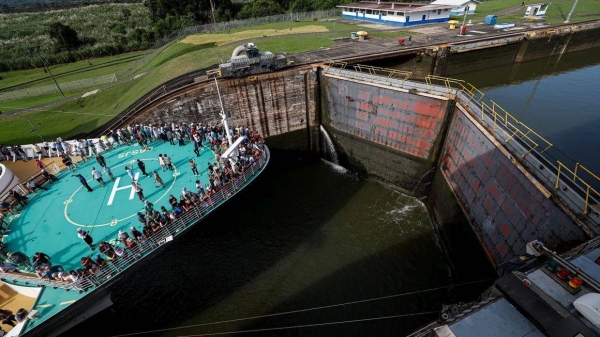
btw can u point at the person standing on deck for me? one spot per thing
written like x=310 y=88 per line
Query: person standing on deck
x=194 y=168
x=149 y=207
x=41 y=259
x=130 y=172
x=68 y=162
x=83 y=182
x=40 y=164
x=142 y=167
x=97 y=175
x=38 y=150
x=161 y=162
x=108 y=173
x=138 y=190
x=157 y=179
x=168 y=162
x=100 y=159
x=86 y=237
x=81 y=150
x=52 y=149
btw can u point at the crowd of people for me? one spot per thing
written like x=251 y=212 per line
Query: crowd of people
x=221 y=172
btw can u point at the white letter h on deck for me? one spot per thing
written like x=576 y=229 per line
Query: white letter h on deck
x=117 y=188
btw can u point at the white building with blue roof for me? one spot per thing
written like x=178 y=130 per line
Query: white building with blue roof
x=396 y=13
x=459 y=7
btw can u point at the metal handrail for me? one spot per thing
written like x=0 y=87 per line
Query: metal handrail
x=577 y=179
x=371 y=70
x=157 y=239
x=528 y=136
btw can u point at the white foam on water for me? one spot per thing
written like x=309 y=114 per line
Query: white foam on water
x=337 y=168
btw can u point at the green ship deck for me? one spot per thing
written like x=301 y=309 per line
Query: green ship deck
x=49 y=222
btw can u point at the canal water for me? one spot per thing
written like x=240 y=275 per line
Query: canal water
x=308 y=234
x=557 y=97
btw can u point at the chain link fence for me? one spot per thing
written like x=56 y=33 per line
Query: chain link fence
x=225 y=26
x=235 y=24
x=52 y=89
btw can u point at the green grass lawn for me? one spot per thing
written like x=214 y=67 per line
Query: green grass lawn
x=53 y=122
x=71 y=71
x=39 y=100
x=557 y=11
x=168 y=62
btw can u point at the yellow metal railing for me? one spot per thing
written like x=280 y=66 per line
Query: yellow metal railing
x=389 y=73
x=577 y=179
x=372 y=70
x=533 y=140
x=497 y=114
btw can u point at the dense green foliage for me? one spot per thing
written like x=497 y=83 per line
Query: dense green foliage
x=68 y=35
x=28 y=40
x=65 y=36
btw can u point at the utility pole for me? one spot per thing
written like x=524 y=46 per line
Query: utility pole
x=49 y=72
x=223 y=115
x=571 y=12
x=35 y=129
x=212 y=7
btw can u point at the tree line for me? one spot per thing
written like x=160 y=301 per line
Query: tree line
x=30 y=40
x=169 y=15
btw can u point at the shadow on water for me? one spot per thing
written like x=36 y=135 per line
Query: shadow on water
x=302 y=235
x=508 y=75
x=554 y=96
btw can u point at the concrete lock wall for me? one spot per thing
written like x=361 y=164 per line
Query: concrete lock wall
x=505 y=208
x=530 y=46
x=472 y=55
x=273 y=104
x=388 y=133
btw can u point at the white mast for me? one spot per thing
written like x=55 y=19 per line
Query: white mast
x=223 y=115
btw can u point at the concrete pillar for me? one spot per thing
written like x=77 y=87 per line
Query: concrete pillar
x=522 y=51
x=441 y=63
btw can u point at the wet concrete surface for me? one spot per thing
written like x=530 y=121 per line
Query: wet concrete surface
x=428 y=35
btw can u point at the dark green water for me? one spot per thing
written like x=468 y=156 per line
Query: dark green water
x=305 y=234
x=557 y=97
x=308 y=234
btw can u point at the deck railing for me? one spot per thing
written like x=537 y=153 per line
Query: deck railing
x=156 y=240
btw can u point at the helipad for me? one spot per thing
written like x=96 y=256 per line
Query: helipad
x=49 y=221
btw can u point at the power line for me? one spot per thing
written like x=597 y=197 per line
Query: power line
x=304 y=310
x=313 y=325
